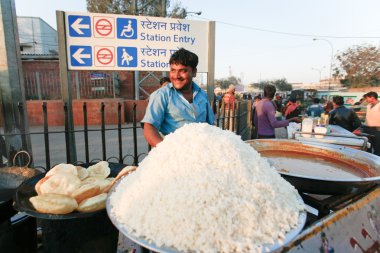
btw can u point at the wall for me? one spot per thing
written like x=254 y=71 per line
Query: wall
x=56 y=115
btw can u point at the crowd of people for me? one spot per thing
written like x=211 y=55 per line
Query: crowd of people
x=180 y=101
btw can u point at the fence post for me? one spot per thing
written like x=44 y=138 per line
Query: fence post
x=103 y=130
x=77 y=84
x=46 y=135
x=238 y=118
x=38 y=85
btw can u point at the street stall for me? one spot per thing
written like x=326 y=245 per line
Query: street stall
x=229 y=199
x=336 y=135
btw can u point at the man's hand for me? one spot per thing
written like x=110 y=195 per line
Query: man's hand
x=152 y=135
x=295 y=119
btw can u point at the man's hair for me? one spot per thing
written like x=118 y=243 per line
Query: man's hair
x=164 y=80
x=371 y=94
x=316 y=100
x=184 y=57
x=269 y=91
x=338 y=100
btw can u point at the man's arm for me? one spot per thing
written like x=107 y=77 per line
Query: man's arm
x=152 y=135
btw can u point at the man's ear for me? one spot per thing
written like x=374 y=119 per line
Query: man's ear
x=194 y=72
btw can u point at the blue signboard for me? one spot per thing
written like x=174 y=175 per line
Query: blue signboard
x=126 y=56
x=81 y=56
x=79 y=26
x=126 y=28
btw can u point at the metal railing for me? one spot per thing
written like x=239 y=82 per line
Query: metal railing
x=122 y=143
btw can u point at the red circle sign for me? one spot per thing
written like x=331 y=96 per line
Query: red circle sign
x=104 y=56
x=103 y=27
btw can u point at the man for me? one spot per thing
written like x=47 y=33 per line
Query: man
x=229 y=108
x=316 y=109
x=177 y=103
x=265 y=115
x=372 y=119
x=342 y=116
x=164 y=81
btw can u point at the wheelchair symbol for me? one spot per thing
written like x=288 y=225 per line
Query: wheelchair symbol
x=127 y=31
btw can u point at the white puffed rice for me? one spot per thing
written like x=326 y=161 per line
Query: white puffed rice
x=205 y=190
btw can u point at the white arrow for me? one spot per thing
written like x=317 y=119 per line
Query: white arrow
x=77 y=26
x=79 y=56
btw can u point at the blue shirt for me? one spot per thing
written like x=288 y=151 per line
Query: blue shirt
x=168 y=110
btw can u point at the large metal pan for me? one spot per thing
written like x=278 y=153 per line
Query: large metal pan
x=354 y=170
x=10 y=179
x=165 y=249
x=27 y=190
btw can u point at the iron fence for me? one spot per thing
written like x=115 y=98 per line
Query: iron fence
x=121 y=143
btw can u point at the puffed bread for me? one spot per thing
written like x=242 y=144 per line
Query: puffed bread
x=102 y=183
x=93 y=204
x=53 y=203
x=85 y=191
x=60 y=183
x=39 y=183
x=125 y=171
x=99 y=169
x=62 y=168
x=82 y=172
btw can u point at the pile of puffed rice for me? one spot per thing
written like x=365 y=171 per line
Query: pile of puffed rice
x=205 y=190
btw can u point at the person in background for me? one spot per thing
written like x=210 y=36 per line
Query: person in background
x=316 y=109
x=342 y=116
x=256 y=100
x=164 y=81
x=292 y=109
x=278 y=103
x=265 y=112
x=372 y=119
x=229 y=108
x=179 y=102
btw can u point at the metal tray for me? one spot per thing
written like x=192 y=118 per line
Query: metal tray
x=164 y=249
x=27 y=190
x=360 y=162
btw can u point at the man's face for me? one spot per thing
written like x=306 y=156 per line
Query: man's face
x=181 y=76
x=370 y=100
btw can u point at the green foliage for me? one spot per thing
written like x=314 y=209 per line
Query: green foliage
x=225 y=82
x=359 y=66
x=157 y=8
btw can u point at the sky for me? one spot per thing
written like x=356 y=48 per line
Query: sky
x=268 y=39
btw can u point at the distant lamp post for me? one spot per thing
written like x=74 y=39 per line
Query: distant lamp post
x=194 y=12
x=319 y=71
x=332 y=57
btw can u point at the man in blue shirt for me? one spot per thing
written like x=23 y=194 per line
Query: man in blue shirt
x=177 y=103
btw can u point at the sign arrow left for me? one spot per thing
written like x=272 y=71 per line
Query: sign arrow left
x=79 y=56
x=77 y=26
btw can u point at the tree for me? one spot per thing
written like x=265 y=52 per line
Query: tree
x=282 y=85
x=155 y=8
x=225 y=82
x=359 y=66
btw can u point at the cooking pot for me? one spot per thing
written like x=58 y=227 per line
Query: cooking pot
x=320 y=168
x=10 y=179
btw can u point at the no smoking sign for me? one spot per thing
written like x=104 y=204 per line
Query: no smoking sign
x=104 y=56
x=104 y=27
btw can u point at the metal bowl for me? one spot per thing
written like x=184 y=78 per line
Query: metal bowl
x=165 y=249
x=27 y=190
x=364 y=167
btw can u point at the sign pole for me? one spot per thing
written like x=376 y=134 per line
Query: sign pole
x=66 y=88
x=211 y=61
